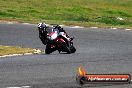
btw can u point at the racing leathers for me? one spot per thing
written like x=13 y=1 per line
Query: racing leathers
x=43 y=35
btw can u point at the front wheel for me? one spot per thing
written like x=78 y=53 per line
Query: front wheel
x=63 y=47
x=66 y=48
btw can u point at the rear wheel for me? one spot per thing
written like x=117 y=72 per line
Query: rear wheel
x=49 y=50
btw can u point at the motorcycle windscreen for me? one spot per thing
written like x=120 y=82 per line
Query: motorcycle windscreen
x=53 y=35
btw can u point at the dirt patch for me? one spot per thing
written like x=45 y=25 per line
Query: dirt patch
x=9 y=21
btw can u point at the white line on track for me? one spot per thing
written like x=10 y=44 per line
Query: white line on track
x=26 y=86
x=10 y=22
x=62 y=25
x=128 y=29
x=114 y=28
x=26 y=23
x=13 y=87
x=76 y=27
x=94 y=27
x=13 y=22
x=20 y=87
x=11 y=55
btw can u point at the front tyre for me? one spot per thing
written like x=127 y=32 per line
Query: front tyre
x=66 y=48
x=63 y=47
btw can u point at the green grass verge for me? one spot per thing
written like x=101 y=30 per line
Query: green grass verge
x=102 y=13
x=6 y=50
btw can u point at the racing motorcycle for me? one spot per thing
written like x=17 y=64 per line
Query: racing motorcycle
x=60 y=43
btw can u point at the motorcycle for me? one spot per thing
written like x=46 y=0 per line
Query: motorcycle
x=59 y=43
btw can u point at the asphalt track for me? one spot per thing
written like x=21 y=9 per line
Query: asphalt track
x=98 y=51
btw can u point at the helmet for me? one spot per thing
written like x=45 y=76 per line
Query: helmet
x=58 y=27
x=41 y=25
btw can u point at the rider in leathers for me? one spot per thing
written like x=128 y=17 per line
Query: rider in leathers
x=44 y=30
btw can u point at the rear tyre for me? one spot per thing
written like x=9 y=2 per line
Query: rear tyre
x=49 y=50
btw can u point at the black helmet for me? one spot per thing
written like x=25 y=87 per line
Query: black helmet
x=58 y=27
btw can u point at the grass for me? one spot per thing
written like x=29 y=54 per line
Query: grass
x=102 y=13
x=7 y=50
